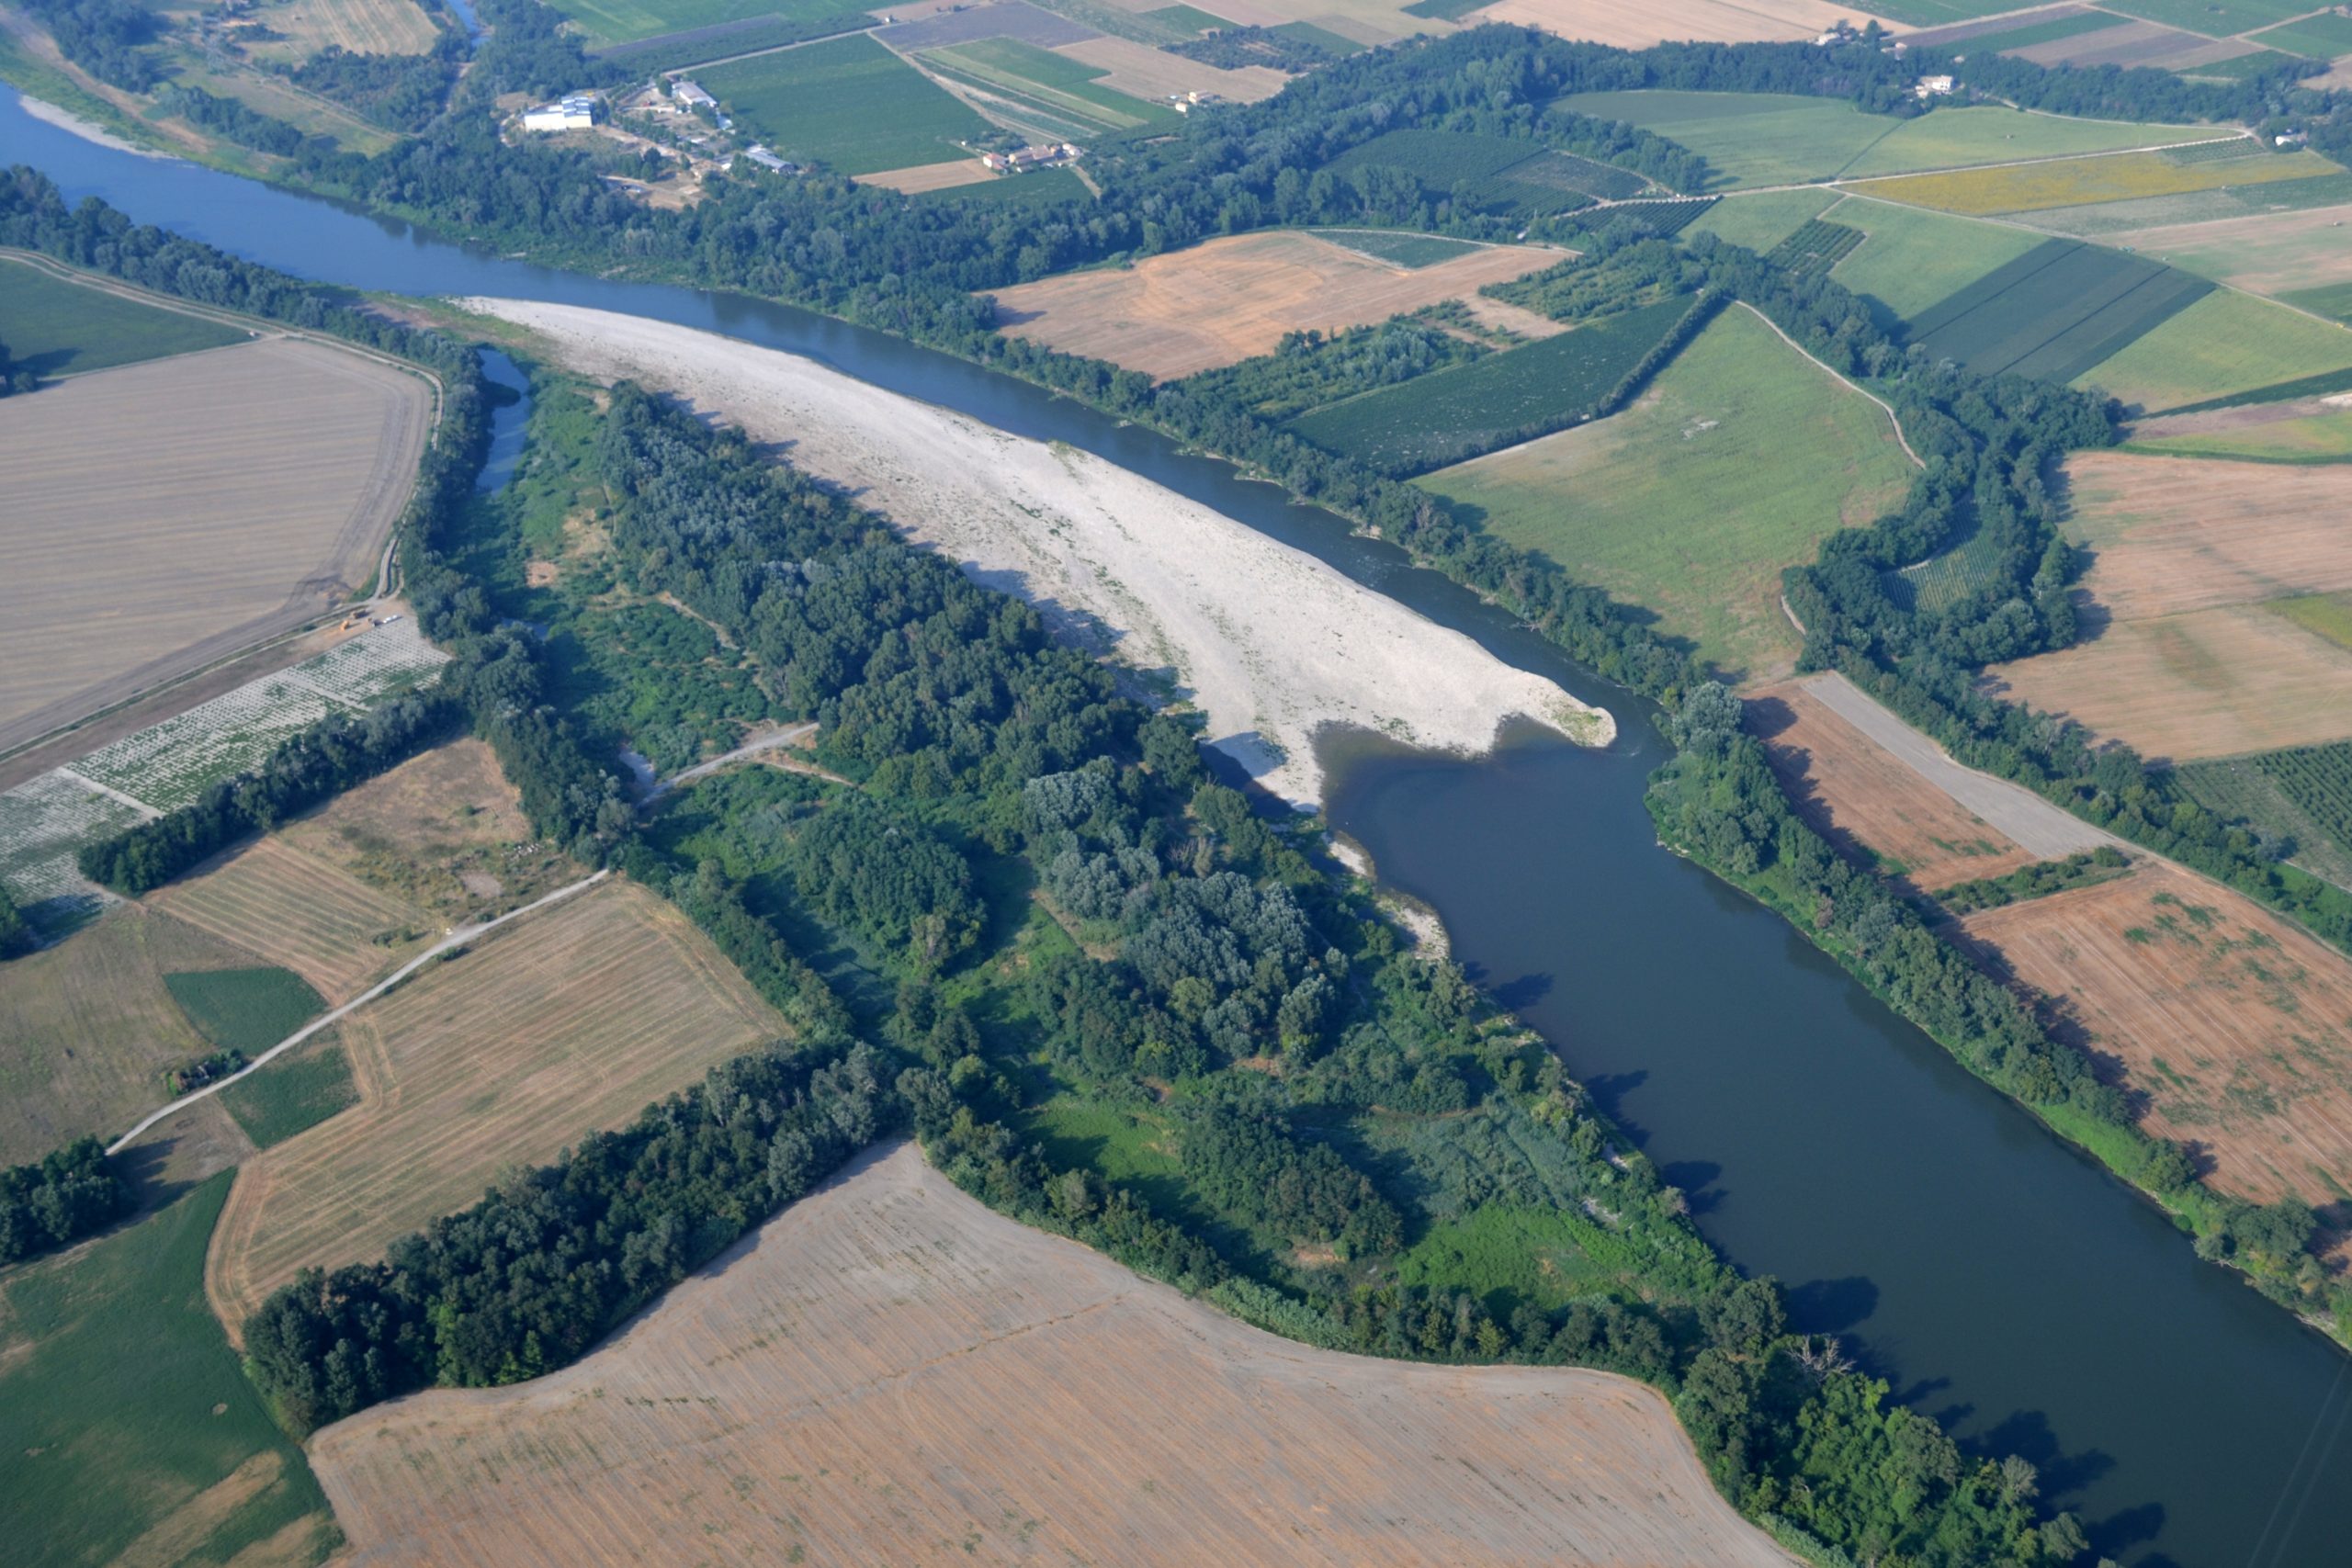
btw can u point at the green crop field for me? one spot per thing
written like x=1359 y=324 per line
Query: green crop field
x=55 y=328
x=2318 y=438
x=2214 y=18
x=849 y=102
x=1764 y=139
x=294 y=1093
x=2304 y=794
x=1404 y=249
x=1735 y=464
x=121 y=1404
x=2330 y=189
x=2055 y=311
x=1496 y=173
x=1937 y=13
x=1815 y=248
x=2050 y=31
x=244 y=1009
x=1453 y=415
x=626 y=21
x=2322 y=37
x=2334 y=301
x=1322 y=38
x=2327 y=616
x=1764 y=219
x=1038 y=187
x=1187 y=18
x=1915 y=258
x=1040 y=78
x=2223 y=343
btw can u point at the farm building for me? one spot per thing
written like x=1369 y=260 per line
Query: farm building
x=577 y=112
x=768 y=160
x=691 y=94
x=1934 y=87
x=1043 y=155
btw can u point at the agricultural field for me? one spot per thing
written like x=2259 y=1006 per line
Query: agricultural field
x=1230 y=300
x=2217 y=683
x=132 y=1437
x=2006 y=33
x=2275 y=253
x=301 y=913
x=607 y=22
x=1039 y=79
x=1733 y=464
x=2080 y=181
x=2055 y=311
x=1937 y=13
x=44 y=824
x=1815 y=248
x=2327 y=36
x=925 y=178
x=2332 y=189
x=1655 y=21
x=2215 y=19
x=1495 y=174
x=88 y=1028
x=1764 y=139
x=244 y=1009
x=55 y=328
x=1764 y=219
x=1865 y=801
x=887 y=1371
x=2323 y=436
x=294 y=1093
x=1398 y=249
x=570 y=1020
x=2166 y=537
x=2304 y=795
x=2222 y=345
x=1913 y=258
x=1150 y=73
x=2138 y=43
x=848 y=103
x=443 y=833
x=1452 y=415
x=362 y=26
x=162 y=515
x=2233 y=1025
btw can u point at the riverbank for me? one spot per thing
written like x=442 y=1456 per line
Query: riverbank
x=1268 y=642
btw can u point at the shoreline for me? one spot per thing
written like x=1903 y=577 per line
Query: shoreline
x=1268 y=642
x=74 y=125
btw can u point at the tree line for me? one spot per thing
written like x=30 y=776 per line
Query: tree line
x=58 y=1199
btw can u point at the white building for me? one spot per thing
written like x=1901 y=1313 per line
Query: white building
x=767 y=160
x=577 y=112
x=691 y=95
x=1934 y=87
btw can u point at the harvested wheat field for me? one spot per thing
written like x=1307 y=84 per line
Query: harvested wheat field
x=2216 y=683
x=363 y=27
x=299 y=912
x=1862 y=797
x=1639 y=23
x=443 y=832
x=87 y=1029
x=1142 y=72
x=932 y=177
x=1228 y=299
x=564 y=1022
x=889 y=1372
x=163 y=515
x=2169 y=535
x=2234 y=1026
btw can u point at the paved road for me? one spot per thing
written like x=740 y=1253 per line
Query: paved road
x=2043 y=830
x=457 y=938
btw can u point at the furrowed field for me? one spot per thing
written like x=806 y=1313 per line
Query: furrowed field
x=569 y=1020
x=54 y=327
x=1067 y=92
x=848 y=103
x=2323 y=436
x=2076 y=181
x=2055 y=311
x=623 y=21
x=889 y=1371
x=1736 y=461
x=2223 y=343
x=1914 y=259
x=1493 y=174
x=1231 y=299
x=335 y=931
x=162 y=515
x=1457 y=414
x=2303 y=795
x=1639 y=27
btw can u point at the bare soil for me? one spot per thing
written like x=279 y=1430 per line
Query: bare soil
x=889 y=1372
x=2169 y=535
x=560 y=1024
x=932 y=177
x=1230 y=298
x=163 y=515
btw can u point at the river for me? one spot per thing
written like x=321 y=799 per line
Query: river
x=1999 y=1279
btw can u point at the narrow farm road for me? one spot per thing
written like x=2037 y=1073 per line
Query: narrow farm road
x=457 y=938
x=1843 y=381
x=787 y=735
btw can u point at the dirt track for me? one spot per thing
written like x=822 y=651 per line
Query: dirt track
x=889 y=1372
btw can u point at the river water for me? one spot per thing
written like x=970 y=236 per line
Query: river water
x=1999 y=1280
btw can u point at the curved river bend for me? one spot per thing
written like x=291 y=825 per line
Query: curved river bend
x=1997 y=1279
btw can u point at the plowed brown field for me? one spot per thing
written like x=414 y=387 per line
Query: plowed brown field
x=2170 y=534
x=889 y=1372
x=2234 y=1024
x=163 y=515
x=1851 y=789
x=297 y=910
x=1227 y=299
x=565 y=1022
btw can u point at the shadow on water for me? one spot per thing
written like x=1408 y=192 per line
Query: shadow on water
x=1988 y=1272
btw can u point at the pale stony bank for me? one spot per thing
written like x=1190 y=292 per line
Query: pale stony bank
x=888 y=1372
x=1270 y=643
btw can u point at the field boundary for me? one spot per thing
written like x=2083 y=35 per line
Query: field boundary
x=456 y=938
x=1891 y=417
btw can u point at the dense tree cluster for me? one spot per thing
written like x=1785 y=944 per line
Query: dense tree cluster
x=64 y=1197
x=399 y=91
x=2037 y=880
x=104 y=38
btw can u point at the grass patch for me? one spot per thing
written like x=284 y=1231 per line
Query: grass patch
x=1507 y=1254
x=1937 y=13
x=1735 y=464
x=2055 y=311
x=1321 y=38
x=2320 y=438
x=1454 y=414
x=1187 y=18
x=2326 y=615
x=1913 y=258
x=245 y=1010
x=1038 y=187
x=125 y=1412
x=1956 y=138
x=55 y=328
x=2322 y=37
x=1763 y=221
x=292 y=1094
x=848 y=103
x=2223 y=345
x=2334 y=301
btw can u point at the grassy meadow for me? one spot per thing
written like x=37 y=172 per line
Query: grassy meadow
x=1735 y=464
x=849 y=102
x=626 y=21
x=1913 y=258
x=294 y=1093
x=131 y=1434
x=1764 y=219
x=245 y=1010
x=2223 y=343
x=55 y=328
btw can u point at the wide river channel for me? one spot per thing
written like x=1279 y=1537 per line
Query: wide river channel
x=1997 y=1279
